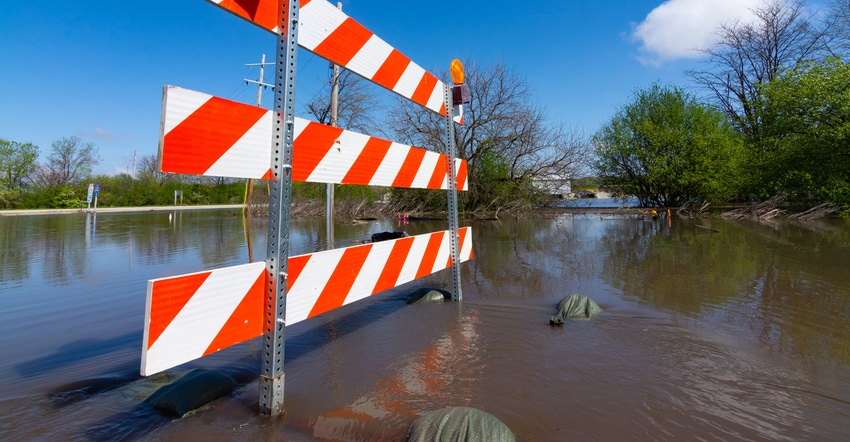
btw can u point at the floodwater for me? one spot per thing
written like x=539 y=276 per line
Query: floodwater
x=711 y=330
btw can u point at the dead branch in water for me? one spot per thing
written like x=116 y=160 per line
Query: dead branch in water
x=762 y=211
x=690 y=210
x=816 y=212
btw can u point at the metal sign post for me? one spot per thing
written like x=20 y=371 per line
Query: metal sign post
x=274 y=325
x=96 y=192
x=89 y=196
x=451 y=153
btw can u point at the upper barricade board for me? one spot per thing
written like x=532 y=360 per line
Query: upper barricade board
x=327 y=32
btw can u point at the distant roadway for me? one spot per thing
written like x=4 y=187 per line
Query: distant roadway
x=114 y=210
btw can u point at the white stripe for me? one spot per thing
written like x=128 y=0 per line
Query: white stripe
x=414 y=258
x=409 y=80
x=437 y=98
x=370 y=57
x=339 y=159
x=317 y=20
x=304 y=293
x=466 y=247
x=250 y=156
x=367 y=279
x=426 y=169
x=391 y=165
x=444 y=253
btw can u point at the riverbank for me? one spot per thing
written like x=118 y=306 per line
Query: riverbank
x=26 y=212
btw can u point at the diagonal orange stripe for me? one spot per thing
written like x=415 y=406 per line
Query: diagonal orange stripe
x=367 y=162
x=205 y=135
x=261 y=12
x=460 y=179
x=392 y=69
x=424 y=89
x=246 y=321
x=294 y=266
x=342 y=279
x=439 y=173
x=408 y=170
x=311 y=145
x=426 y=267
x=395 y=262
x=344 y=42
x=168 y=297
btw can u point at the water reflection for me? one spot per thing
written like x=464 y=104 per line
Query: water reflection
x=785 y=284
x=712 y=329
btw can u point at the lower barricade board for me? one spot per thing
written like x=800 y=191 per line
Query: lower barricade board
x=190 y=316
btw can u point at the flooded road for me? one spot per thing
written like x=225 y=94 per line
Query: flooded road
x=711 y=330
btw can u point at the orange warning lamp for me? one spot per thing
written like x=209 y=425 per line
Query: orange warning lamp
x=456 y=69
x=460 y=91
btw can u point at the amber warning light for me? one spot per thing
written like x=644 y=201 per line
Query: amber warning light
x=460 y=91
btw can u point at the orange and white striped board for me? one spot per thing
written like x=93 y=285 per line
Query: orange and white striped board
x=206 y=135
x=329 y=33
x=190 y=316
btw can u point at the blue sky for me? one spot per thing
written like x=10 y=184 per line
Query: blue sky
x=95 y=69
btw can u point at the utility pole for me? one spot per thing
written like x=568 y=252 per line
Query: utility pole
x=329 y=199
x=260 y=86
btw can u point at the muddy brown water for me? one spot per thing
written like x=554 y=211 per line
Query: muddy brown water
x=737 y=333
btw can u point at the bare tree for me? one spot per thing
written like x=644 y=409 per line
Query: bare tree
x=70 y=161
x=149 y=169
x=501 y=120
x=783 y=35
x=838 y=17
x=356 y=105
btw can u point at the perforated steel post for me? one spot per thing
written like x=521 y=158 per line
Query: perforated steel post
x=274 y=318
x=451 y=153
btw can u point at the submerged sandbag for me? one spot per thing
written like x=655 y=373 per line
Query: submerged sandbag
x=459 y=424
x=575 y=307
x=191 y=391
x=428 y=295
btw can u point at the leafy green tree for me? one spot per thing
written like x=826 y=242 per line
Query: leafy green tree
x=666 y=149
x=806 y=148
x=17 y=163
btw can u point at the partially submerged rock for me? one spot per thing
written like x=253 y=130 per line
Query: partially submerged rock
x=575 y=306
x=426 y=294
x=459 y=424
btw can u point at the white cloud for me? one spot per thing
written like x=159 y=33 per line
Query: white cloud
x=674 y=29
x=98 y=133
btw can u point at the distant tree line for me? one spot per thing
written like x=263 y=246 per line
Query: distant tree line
x=61 y=181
